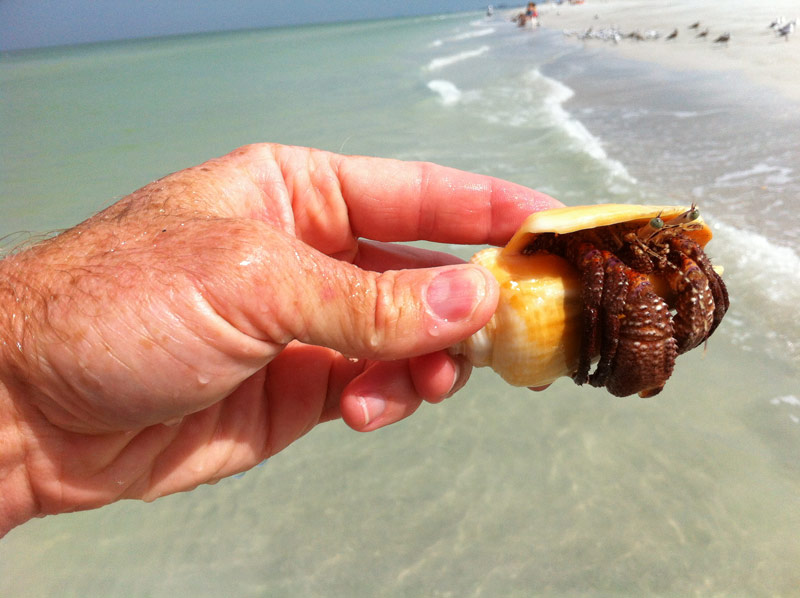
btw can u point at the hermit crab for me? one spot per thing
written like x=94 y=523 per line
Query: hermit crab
x=626 y=286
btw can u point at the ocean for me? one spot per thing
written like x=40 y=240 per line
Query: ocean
x=498 y=491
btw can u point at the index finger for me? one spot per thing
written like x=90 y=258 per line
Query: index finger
x=391 y=200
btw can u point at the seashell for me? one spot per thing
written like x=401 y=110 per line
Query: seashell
x=535 y=335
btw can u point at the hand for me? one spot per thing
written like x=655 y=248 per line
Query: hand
x=211 y=318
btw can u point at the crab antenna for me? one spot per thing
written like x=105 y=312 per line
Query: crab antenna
x=652 y=227
x=690 y=215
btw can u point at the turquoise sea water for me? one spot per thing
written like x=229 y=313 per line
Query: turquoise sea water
x=497 y=492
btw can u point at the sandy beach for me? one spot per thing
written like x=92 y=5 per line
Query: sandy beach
x=754 y=48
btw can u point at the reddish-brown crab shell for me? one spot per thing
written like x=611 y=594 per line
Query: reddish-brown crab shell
x=535 y=335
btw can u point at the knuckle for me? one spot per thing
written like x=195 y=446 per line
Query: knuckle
x=387 y=312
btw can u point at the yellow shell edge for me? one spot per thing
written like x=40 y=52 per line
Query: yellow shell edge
x=574 y=218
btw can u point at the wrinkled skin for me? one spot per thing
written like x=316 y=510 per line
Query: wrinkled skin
x=625 y=321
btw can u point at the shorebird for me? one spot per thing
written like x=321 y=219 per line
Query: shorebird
x=777 y=22
x=787 y=29
x=703 y=33
x=673 y=35
x=694 y=25
x=725 y=37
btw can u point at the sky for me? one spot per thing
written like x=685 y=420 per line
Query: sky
x=36 y=23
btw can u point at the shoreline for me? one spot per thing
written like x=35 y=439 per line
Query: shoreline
x=754 y=49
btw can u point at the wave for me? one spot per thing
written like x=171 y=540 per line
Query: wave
x=471 y=34
x=556 y=95
x=764 y=280
x=439 y=63
x=535 y=102
x=449 y=94
x=772 y=176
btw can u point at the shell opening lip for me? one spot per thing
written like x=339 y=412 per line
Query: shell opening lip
x=574 y=218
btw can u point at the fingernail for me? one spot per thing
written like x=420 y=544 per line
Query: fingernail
x=371 y=408
x=454 y=294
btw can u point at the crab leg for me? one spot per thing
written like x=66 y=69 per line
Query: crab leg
x=615 y=293
x=719 y=291
x=647 y=350
x=694 y=303
x=590 y=265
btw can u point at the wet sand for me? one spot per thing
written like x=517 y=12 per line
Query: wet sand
x=754 y=49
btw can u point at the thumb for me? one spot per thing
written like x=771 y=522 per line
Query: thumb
x=402 y=313
x=382 y=315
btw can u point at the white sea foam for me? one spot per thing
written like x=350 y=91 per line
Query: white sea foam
x=769 y=266
x=449 y=94
x=556 y=95
x=764 y=278
x=439 y=63
x=536 y=101
x=790 y=400
x=764 y=173
x=472 y=34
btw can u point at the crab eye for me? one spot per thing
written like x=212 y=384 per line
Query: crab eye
x=685 y=218
x=651 y=228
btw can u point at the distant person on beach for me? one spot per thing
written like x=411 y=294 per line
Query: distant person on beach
x=530 y=16
x=208 y=320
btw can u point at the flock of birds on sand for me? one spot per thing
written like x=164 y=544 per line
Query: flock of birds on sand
x=781 y=26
